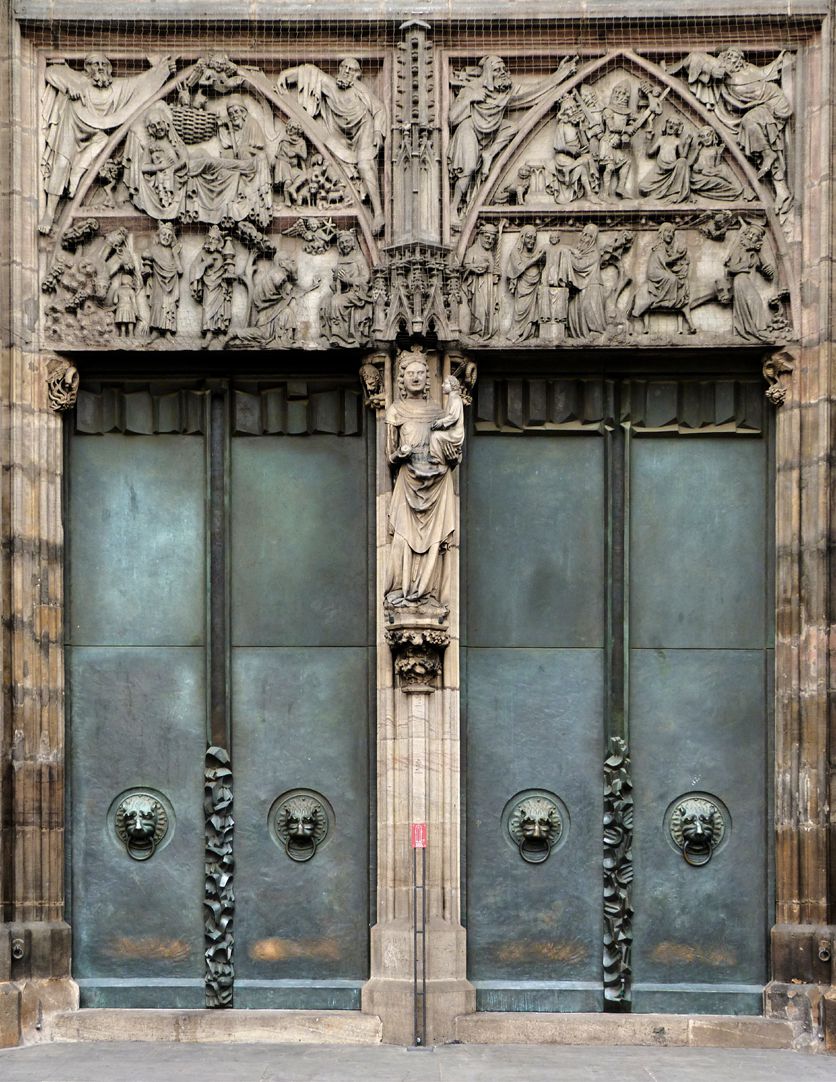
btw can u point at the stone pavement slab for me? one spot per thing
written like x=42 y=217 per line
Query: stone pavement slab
x=168 y=1062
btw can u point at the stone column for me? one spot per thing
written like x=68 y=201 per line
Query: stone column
x=804 y=935
x=34 y=939
x=418 y=781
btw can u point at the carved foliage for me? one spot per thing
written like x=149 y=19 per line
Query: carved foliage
x=417 y=655
x=62 y=381
x=219 y=900
x=618 y=872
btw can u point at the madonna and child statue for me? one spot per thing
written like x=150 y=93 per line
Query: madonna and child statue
x=423 y=445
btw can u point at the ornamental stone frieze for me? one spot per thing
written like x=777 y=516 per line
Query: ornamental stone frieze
x=610 y=199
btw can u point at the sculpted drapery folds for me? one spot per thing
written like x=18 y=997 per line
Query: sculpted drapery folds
x=587 y=307
x=211 y=277
x=666 y=285
x=480 y=282
x=423 y=444
x=744 y=264
x=749 y=102
x=524 y=276
x=477 y=117
x=162 y=268
x=669 y=180
x=80 y=109
x=346 y=310
x=354 y=119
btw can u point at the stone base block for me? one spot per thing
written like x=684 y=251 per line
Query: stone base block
x=705 y=1031
x=829 y=1013
x=9 y=1015
x=801 y=1007
x=216 y=1026
x=392 y=1001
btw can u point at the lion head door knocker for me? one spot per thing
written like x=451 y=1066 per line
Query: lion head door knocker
x=301 y=821
x=697 y=826
x=535 y=824
x=141 y=823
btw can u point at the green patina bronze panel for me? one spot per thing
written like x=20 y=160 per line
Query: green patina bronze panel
x=136 y=534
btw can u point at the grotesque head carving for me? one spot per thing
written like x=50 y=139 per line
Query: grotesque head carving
x=301 y=825
x=697 y=827
x=141 y=824
x=535 y=825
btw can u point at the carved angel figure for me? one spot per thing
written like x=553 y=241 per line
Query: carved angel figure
x=80 y=109
x=354 y=120
x=477 y=117
x=749 y=102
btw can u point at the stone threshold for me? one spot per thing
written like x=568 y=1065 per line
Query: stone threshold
x=217 y=1026
x=661 y=1030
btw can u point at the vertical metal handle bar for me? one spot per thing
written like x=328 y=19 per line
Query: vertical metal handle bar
x=424 y=945
x=416 y=1039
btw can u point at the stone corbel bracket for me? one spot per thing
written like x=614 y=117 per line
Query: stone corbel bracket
x=777 y=365
x=417 y=653
x=62 y=383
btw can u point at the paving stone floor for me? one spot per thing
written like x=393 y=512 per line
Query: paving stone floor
x=145 y=1062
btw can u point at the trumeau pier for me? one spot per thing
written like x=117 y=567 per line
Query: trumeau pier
x=416 y=417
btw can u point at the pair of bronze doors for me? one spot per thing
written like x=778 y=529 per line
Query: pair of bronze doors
x=616 y=571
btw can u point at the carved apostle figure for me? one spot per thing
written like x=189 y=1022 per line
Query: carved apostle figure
x=211 y=277
x=524 y=274
x=354 y=119
x=477 y=117
x=666 y=287
x=480 y=282
x=81 y=108
x=242 y=139
x=162 y=268
x=749 y=102
x=422 y=509
x=744 y=264
x=346 y=311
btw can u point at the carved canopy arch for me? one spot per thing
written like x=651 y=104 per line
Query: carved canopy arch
x=685 y=104
x=257 y=83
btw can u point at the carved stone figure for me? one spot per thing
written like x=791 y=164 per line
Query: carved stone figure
x=289 y=167
x=354 y=119
x=614 y=156
x=744 y=265
x=81 y=108
x=536 y=826
x=126 y=313
x=669 y=179
x=554 y=290
x=524 y=274
x=371 y=379
x=422 y=508
x=749 y=102
x=697 y=826
x=211 y=277
x=318 y=234
x=477 y=117
x=587 y=301
x=162 y=268
x=157 y=165
x=62 y=380
x=274 y=292
x=710 y=177
x=301 y=825
x=480 y=281
x=447 y=431
x=243 y=140
x=141 y=824
x=346 y=311
x=666 y=286
x=575 y=167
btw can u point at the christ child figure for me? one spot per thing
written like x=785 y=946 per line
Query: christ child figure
x=447 y=435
